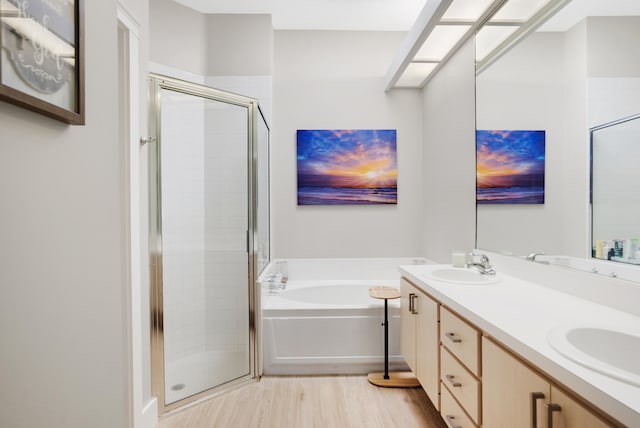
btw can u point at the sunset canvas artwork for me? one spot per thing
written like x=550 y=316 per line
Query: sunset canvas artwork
x=510 y=167
x=347 y=167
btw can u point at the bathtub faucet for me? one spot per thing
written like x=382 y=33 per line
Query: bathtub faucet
x=484 y=266
x=277 y=282
x=532 y=257
x=277 y=278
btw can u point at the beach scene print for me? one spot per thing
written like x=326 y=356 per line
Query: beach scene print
x=510 y=167
x=347 y=167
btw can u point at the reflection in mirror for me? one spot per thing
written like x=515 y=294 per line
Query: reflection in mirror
x=523 y=90
x=615 y=151
x=571 y=74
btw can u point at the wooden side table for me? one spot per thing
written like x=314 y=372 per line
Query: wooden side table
x=386 y=379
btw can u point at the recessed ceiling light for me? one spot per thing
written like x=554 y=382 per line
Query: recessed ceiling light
x=441 y=40
x=467 y=10
x=490 y=37
x=519 y=10
x=415 y=74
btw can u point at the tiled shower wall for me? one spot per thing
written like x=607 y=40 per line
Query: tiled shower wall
x=226 y=224
x=204 y=199
x=182 y=169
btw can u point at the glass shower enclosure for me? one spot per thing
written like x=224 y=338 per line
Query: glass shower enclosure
x=209 y=237
x=615 y=195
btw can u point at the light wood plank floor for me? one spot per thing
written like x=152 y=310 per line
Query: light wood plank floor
x=310 y=402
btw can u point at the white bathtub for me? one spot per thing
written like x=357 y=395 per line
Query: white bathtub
x=324 y=322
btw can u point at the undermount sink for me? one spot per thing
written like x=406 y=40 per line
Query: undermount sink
x=610 y=351
x=463 y=276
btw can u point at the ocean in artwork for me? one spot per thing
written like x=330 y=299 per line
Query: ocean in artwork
x=346 y=195
x=510 y=166
x=347 y=167
x=511 y=195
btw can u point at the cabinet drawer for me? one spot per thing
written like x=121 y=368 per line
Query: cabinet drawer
x=462 y=384
x=452 y=413
x=461 y=339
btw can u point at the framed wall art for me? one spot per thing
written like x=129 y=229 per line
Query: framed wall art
x=41 y=57
x=510 y=167
x=347 y=167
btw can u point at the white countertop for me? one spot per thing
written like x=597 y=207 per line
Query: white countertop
x=519 y=314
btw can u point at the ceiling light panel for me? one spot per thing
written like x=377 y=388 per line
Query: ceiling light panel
x=489 y=37
x=415 y=74
x=466 y=10
x=518 y=10
x=440 y=41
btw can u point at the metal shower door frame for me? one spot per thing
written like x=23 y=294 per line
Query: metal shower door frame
x=156 y=84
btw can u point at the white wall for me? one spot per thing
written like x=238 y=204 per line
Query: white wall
x=449 y=206
x=575 y=220
x=613 y=73
x=63 y=358
x=239 y=45
x=178 y=36
x=334 y=80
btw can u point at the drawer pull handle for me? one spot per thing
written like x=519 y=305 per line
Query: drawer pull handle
x=535 y=396
x=414 y=299
x=451 y=420
x=452 y=380
x=550 y=409
x=452 y=337
x=411 y=302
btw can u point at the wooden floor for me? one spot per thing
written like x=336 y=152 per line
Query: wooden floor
x=307 y=402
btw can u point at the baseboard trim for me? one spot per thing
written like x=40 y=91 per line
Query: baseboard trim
x=149 y=417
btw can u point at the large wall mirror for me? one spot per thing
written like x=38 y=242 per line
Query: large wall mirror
x=579 y=70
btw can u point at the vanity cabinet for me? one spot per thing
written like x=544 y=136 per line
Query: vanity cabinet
x=516 y=396
x=460 y=365
x=419 y=340
x=475 y=381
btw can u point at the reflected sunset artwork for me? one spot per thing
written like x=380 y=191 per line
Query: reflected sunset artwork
x=510 y=167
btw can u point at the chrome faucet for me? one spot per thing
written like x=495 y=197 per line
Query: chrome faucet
x=532 y=257
x=484 y=266
x=276 y=282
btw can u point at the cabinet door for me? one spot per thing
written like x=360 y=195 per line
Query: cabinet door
x=507 y=388
x=571 y=414
x=407 y=324
x=427 y=345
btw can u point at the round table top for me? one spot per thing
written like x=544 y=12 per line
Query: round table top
x=384 y=292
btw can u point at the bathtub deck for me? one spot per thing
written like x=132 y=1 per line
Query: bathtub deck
x=307 y=402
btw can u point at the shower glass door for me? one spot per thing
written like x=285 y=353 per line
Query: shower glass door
x=201 y=251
